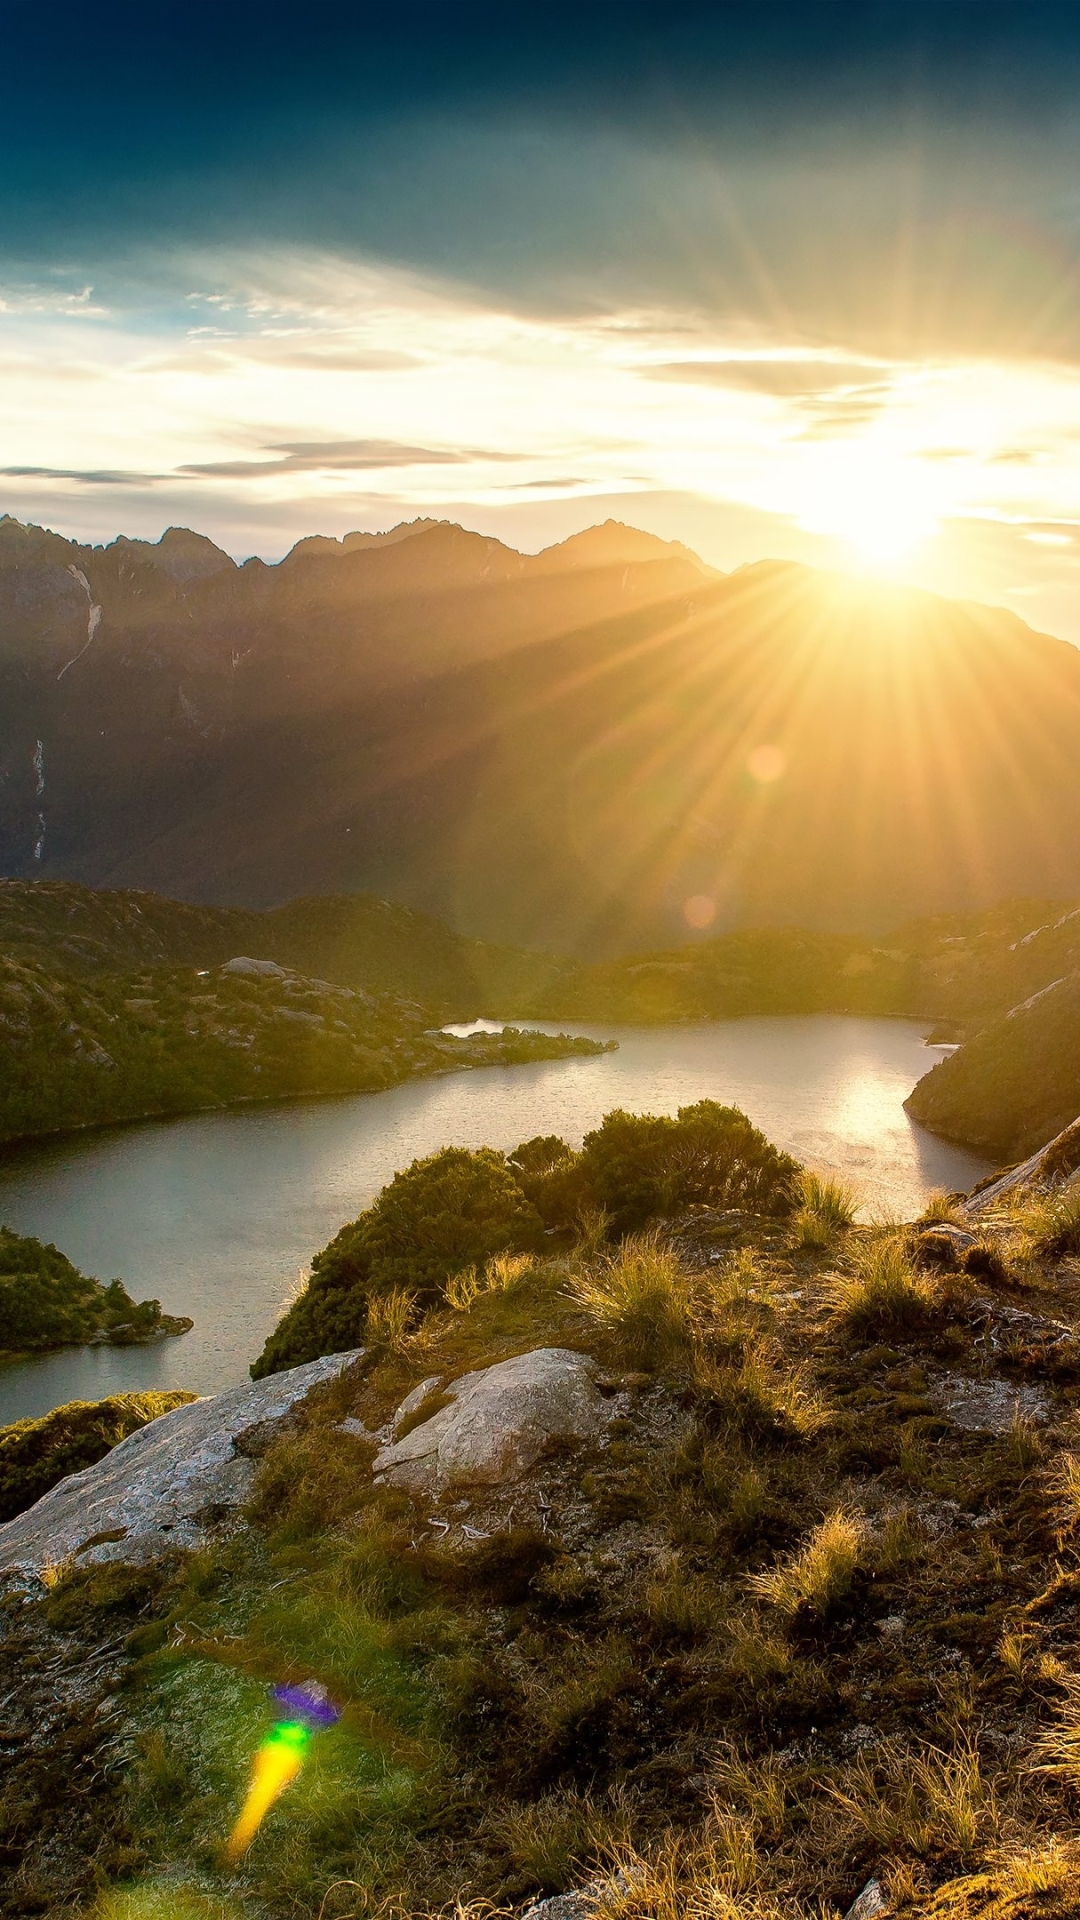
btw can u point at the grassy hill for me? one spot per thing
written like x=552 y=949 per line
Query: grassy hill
x=354 y=941
x=1014 y=1084
x=803 y=1619
x=80 y=1049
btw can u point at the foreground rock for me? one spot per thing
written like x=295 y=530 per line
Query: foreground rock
x=167 y=1484
x=493 y=1425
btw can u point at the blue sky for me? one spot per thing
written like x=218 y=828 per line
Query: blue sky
x=800 y=281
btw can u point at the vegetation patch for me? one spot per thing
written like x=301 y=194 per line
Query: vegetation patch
x=35 y=1454
x=45 y=1301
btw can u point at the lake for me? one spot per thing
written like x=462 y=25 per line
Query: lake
x=218 y=1215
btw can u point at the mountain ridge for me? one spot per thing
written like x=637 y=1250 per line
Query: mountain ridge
x=540 y=752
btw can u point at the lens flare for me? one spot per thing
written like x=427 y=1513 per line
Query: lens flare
x=280 y=1758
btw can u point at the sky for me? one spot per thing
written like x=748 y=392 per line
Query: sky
x=797 y=281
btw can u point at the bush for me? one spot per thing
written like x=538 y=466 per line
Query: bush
x=638 y=1166
x=552 y=1179
x=35 y=1454
x=454 y=1210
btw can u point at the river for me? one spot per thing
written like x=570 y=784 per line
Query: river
x=218 y=1215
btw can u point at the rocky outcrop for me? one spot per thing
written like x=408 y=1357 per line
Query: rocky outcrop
x=493 y=1425
x=1055 y=1166
x=166 y=1485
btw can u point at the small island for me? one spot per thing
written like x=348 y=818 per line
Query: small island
x=47 y=1302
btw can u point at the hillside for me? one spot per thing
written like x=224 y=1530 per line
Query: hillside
x=724 y=1573
x=560 y=751
x=1014 y=1084
x=84 y=1050
x=354 y=941
x=46 y=1302
x=955 y=969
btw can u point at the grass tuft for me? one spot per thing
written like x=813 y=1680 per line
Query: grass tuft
x=1050 y=1225
x=641 y=1296
x=885 y=1292
x=819 y=1576
x=757 y=1394
x=390 y=1319
x=825 y=1212
x=924 y=1799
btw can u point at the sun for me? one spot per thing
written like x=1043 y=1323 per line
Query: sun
x=881 y=509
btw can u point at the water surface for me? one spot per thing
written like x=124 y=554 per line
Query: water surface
x=218 y=1215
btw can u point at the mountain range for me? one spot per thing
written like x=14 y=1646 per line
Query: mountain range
x=603 y=747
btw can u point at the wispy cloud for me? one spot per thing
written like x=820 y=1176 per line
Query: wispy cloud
x=86 y=477
x=787 y=378
x=340 y=456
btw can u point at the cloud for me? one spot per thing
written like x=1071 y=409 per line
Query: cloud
x=340 y=456
x=87 y=477
x=783 y=377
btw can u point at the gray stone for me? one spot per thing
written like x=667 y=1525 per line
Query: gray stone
x=166 y=1484
x=414 y=1400
x=243 y=963
x=564 y=1906
x=943 y=1244
x=498 y=1422
x=870 y=1903
x=988 y=1406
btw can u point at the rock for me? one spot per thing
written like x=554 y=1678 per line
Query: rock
x=244 y=964
x=564 y=1906
x=987 y=1406
x=166 y=1484
x=870 y=1903
x=942 y=1245
x=1055 y=1166
x=498 y=1422
x=413 y=1402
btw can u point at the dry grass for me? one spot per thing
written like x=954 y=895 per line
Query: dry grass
x=941 y=1209
x=1057 y=1750
x=757 y=1393
x=1064 y=1485
x=1049 y=1226
x=825 y=1212
x=923 y=1800
x=390 y=1320
x=701 y=1876
x=884 y=1292
x=642 y=1297
x=820 y=1574
x=554 y=1841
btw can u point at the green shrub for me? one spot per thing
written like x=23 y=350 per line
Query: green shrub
x=35 y=1454
x=639 y=1166
x=453 y=1210
x=552 y=1179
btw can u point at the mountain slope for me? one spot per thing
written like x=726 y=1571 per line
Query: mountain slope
x=560 y=750
x=354 y=941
